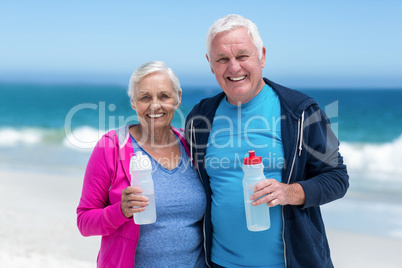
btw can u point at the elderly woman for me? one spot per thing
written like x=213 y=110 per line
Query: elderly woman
x=108 y=202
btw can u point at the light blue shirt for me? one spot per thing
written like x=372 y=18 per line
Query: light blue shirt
x=176 y=238
x=255 y=125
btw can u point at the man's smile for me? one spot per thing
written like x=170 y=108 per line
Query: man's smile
x=235 y=79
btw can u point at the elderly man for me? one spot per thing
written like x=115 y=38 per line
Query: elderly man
x=302 y=164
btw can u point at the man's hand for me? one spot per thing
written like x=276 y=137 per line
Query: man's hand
x=275 y=193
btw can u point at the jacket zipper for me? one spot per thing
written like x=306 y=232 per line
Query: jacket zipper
x=300 y=143
x=191 y=144
x=192 y=132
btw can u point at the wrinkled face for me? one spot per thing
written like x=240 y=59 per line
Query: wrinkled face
x=155 y=101
x=238 y=69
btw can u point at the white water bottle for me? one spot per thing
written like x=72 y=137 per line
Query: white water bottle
x=257 y=216
x=141 y=176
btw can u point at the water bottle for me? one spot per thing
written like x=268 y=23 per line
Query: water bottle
x=141 y=176
x=257 y=216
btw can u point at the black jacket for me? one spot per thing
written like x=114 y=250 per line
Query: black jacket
x=311 y=159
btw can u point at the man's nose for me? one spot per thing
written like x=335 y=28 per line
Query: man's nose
x=234 y=65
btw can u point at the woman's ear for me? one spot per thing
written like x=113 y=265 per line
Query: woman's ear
x=178 y=101
x=132 y=104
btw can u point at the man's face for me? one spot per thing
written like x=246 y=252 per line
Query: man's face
x=238 y=69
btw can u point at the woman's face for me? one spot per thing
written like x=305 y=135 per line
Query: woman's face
x=155 y=101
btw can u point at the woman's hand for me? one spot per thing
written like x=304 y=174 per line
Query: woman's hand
x=132 y=202
x=275 y=193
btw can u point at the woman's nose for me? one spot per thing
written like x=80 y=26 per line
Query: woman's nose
x=155 y=104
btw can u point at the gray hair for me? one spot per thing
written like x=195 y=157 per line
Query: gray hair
x=150 y=68
x=231 y=22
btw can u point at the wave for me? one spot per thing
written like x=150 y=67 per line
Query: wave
x=382 y=161
x=82 y=138
x=369 y=159
x=13 y=137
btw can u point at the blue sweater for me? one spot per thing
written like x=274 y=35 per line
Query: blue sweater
x=311 y=159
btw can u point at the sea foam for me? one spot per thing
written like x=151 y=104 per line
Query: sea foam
x=13 y=137
x=84 y=137
x=381 y=160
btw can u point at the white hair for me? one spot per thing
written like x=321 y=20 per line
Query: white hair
x=150 y=68
x=231 y=22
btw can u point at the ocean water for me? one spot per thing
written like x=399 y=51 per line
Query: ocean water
x=60 y=124
x=54 y=128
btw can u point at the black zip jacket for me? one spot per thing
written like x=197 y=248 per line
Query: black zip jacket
x=312 y=159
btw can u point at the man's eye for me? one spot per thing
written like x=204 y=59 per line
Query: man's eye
x=242 y=57
x=223 y=60
x=144 y=98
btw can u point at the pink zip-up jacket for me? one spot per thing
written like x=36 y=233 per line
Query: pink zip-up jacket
x=99 y=212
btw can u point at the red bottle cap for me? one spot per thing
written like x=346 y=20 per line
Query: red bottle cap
x=252 y=159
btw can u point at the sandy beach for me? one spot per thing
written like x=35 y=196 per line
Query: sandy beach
x=38 y=227
x=38 y=221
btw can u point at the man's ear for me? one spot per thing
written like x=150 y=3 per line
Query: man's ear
x=210 y=65
x=264 y=51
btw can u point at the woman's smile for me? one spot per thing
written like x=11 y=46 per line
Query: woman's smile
x=156 y=115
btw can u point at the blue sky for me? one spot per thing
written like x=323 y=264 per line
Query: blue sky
x=309 y=43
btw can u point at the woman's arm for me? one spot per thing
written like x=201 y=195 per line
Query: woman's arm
x=95 y=214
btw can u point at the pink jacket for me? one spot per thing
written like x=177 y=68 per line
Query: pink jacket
x=98 y=212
